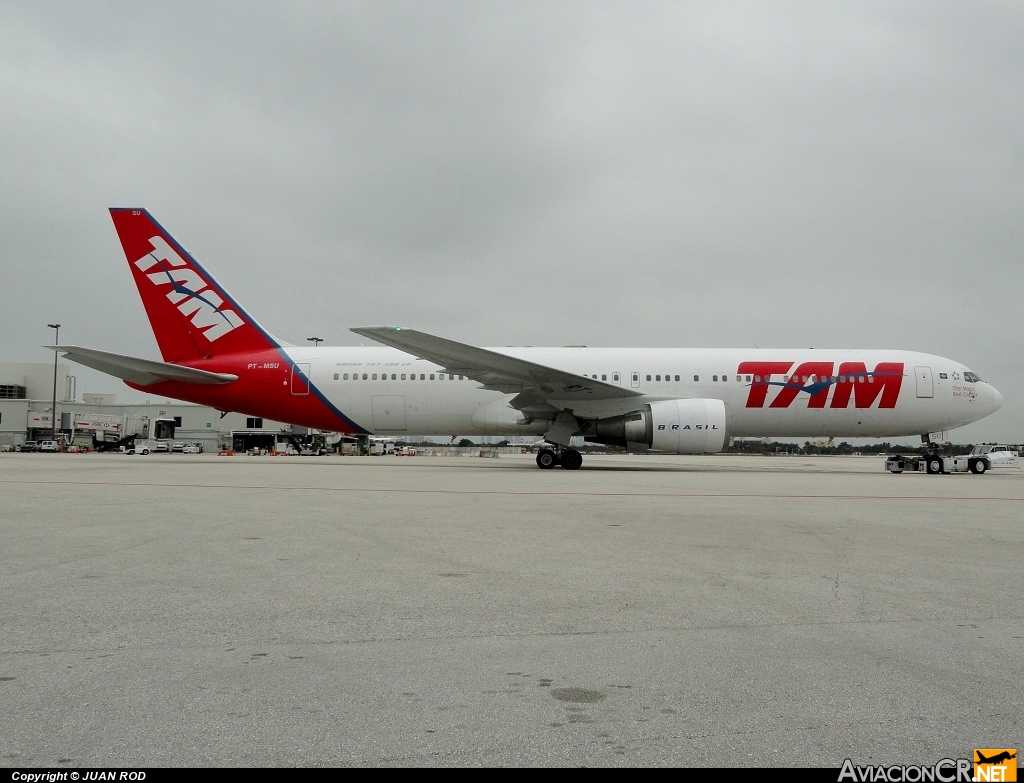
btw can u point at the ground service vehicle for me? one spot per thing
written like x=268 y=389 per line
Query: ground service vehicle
x=983 y=457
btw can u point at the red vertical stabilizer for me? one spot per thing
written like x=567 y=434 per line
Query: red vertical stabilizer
x=191 y=314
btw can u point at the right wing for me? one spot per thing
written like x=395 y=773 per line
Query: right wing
x=140 y=371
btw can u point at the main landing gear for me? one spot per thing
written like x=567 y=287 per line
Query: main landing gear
x=570 y=459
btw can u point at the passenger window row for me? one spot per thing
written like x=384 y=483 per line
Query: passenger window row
x=604 y=377
x=397 y=376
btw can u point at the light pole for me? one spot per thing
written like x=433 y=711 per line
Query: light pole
x=53 y=410
x=315 y=340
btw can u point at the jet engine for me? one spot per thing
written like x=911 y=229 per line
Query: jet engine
x=676 y=426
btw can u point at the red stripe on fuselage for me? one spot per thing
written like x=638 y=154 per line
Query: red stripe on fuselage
x=267 y=391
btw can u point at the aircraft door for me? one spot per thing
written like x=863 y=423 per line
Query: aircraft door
x=925 y=387
x=635 y=380
x=300 y=379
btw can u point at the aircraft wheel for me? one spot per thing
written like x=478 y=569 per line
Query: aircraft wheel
x=978 y=466
x=546 y=459
x=933 y=465
x=571 y=459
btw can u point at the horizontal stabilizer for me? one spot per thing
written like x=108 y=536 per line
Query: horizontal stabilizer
x=143 y=372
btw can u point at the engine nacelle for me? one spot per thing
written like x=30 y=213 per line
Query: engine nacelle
x=676 y=426
x=689 y=426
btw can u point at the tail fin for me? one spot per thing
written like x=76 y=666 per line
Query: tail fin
x=192 y=316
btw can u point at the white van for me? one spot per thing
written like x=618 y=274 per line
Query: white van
x=49 y=445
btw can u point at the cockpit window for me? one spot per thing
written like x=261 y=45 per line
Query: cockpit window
x=970 y=377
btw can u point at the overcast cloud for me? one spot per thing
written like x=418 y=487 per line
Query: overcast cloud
x=842 y=174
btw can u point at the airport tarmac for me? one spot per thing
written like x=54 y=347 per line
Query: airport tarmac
x=722 y=611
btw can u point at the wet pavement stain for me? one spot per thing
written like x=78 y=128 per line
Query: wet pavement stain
x=577 y=695
x=577 y=715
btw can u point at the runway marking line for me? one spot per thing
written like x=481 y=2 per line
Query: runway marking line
x=393 y=490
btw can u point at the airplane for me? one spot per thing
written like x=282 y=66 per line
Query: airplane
x=1004 y=756
x=680 y=401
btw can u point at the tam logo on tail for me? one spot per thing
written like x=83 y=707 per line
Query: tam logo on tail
x=193 y=296
x=193 y=317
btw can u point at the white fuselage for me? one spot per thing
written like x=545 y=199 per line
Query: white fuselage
x=767 y=392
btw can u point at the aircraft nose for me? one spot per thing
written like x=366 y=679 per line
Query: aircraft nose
x=997 y=399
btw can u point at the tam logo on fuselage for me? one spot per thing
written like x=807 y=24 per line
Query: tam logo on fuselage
x=852 y=379
x=194 y=298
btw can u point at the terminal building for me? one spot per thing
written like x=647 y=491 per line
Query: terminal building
x=26 y=414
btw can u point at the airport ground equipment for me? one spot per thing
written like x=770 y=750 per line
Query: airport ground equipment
x=983 y=457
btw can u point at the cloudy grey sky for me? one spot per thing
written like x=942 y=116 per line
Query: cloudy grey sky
x=842 y=174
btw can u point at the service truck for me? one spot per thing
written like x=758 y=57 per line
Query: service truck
x=984 y=456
